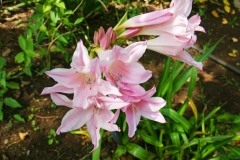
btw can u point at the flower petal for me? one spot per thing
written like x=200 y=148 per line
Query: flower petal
x=133 y=73
x=155 y=116
x=147 y=19
x=74 y=119
x=106 y=88
x=61 y=100
x=183 y=7
x=133 y=117
x=80 y=57
x=67 y=77
x=57 y=88
x=184 y=56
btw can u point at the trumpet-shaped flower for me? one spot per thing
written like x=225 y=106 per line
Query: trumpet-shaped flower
x=83 y=79
x=141 y=103
x=172 y=46
x=182 y=7
x=97 y=115
x=120 y=64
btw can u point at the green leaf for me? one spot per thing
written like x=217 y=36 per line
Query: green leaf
x=234 y=149
x=208 y=149
x=61 y=5
x=121 y=21
x=1 y=113
x=47 y=6
x=68 y=12
x=12 y=102
x=28 y=71
x=22 y=42
x=181 y=79
x=175 y=116
x=164 y=77
x=19 y=118
x=119 y=151
x=192 y=83
x=2 y=62
x=175 y=138
x=13 y=85
x=139 y=152
x=3 y=79
x=43 y=70
x=19 y=58
x=52 y=132
x=206 y=54
x=79 y=20
x=149 y=139
x=50 y=141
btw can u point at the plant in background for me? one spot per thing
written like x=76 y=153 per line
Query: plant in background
x=106 y=86
x=52 y=27
x=52 y=137
x=5 y=85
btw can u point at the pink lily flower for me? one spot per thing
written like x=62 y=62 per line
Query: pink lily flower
x=83 y=79
x=172 y=46
x=182 y=7
x=121 y=64
x=96 y=116
x=141 y=104
x=103 y=39
x=177 y=25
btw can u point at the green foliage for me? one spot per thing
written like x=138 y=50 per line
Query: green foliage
x=197 y=137
x=54 y=25
x=52 y=137
x=5 y=85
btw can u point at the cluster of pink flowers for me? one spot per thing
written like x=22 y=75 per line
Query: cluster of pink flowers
x=109 y=83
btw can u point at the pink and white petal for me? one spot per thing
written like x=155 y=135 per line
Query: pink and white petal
x=155 y=116
x=131 y=89
x=131 y=32
x=183 y=7
x=133 y=117
x=103 y=120
x=167 y=44
x=75 y=119
x=106 y=88
x=134 y=52
x=80 y=57
x=112 y=103
x=66 y=77
x=56 y=88
x=81 y=95
x=147 y=19
x=115 y=117
x=61 y=100
x=152 y=104
x=184 y=56
x=176 y=25
x=94 y=132
x=133 y=73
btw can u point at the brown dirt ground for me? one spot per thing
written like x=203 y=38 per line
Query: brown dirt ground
x=217 y=90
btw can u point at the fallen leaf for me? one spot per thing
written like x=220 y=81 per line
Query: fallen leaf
x=227 y=9
x=214 y=13
x=234 y=39
x=232 y=55
x=233 y=11
x=234 y=51
x=226 y=2
x=22 y=135
x=224 y=21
